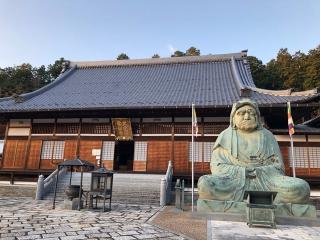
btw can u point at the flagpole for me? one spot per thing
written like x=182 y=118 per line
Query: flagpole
x=293 y=158
x=192 y=153
x=291 y=132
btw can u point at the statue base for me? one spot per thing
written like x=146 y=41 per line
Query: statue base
x=233 y=207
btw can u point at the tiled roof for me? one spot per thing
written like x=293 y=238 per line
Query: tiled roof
x=207 y=81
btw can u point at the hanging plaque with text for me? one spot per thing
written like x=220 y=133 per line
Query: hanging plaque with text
x=122 y=129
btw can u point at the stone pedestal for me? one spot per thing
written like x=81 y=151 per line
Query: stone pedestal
x=233 y=207
x=72 y=204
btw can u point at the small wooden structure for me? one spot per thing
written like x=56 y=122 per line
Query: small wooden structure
x=100 y=187
x=260 y=208
x=77 y=163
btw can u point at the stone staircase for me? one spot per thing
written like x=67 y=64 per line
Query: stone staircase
x=127 y=188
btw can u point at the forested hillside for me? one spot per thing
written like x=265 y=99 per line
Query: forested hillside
x=26 y=78
x=299 y=71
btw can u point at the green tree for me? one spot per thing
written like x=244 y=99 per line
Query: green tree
x=23 y=78
x=192 y=51
x=42 y=76
x=156 y=55
x=312 y=79
x=273 y=77
x=122 y=56
x=178 y=54
x=54 y=70
x=258 y=71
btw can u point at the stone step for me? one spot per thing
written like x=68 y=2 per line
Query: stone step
x=127 y=188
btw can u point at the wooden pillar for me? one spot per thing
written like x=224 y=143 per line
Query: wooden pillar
x=308 y=155
x=55 y=127
x=26 y=154
x=111 y=127
x=172 y=142
x=39 y=164
x=11 y=178
x=5 y=144
x=78 y=139
x=140 y=127
x=202 y=134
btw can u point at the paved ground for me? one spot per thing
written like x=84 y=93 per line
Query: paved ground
x=194 y=226
x=224 y=230
x=24 y=218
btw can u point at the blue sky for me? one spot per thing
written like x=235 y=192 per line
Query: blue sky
x=41 y=31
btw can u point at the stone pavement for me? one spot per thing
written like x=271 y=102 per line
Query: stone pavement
x=226 y=230
x=24 y=218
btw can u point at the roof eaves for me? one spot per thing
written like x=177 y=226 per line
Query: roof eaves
x=312 y=121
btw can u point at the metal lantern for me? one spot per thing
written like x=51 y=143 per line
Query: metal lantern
x=260 y=208
x=72 y=191
x=101 y=187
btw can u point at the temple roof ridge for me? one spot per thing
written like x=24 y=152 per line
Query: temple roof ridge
x=150 y=61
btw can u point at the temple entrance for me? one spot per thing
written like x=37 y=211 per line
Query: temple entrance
x=123 y=155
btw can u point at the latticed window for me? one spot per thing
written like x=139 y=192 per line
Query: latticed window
x=67 y=128
x=183 y=128
x=96 y=128
x=207 y=151
x=52 y=150
x=314 y=153
x=156 y=128
x=305 y=154
x=107 y=150
x=42 y=128
x=140 y=151
x=214 y=128
x=197 y=151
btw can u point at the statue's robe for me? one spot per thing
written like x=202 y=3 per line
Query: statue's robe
x=233 y=152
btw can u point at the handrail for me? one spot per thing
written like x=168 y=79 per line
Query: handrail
x=53 y=174
x=165 y=189
x=50 y=180
x=169 y=175
x=44 y=185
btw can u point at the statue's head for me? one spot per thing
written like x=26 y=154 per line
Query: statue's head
x=245 y=116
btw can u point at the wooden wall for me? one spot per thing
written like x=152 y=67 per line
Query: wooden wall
x=70 y=149
x=14 y=155
x=159 y=153
x=139 y=166
x=19 y=154
x=181 y=157
x=85 y=150
x=302 y=172
x=33 y=161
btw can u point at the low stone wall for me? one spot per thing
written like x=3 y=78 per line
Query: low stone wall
x=7 y=190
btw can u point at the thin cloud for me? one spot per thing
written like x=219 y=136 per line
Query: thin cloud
x=171 y=48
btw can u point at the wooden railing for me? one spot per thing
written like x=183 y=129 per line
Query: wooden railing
x=99 y=128
x=42 y=128
x=137 y=128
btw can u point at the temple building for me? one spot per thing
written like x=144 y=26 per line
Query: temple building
x=135 y=116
